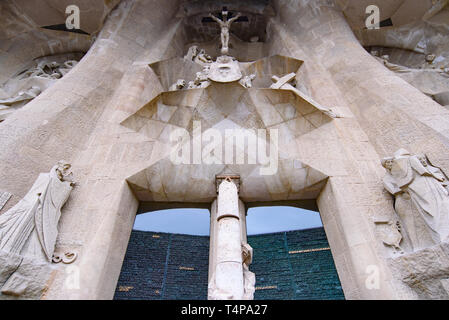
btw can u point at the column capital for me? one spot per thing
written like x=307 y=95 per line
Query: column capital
x=229 y=177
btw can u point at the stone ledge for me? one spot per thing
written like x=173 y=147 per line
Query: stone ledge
x=21 y=277
x=426 y=271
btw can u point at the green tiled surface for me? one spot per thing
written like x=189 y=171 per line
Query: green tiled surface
x=173 y=266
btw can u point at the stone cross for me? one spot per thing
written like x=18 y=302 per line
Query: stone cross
x=283 y=84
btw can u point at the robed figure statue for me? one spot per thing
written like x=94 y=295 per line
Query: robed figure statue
x=421 y=198
x=30 y=227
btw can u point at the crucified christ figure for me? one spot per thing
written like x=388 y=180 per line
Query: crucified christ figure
x=225 y=25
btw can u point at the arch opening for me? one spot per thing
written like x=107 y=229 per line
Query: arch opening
x=292 y=257
x=167 y=254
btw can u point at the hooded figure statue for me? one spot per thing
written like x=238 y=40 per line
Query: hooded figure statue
x=421 y=197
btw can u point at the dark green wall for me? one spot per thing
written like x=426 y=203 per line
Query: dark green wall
x=173 y=266
x=280 y=261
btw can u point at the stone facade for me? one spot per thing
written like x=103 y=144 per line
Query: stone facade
x=301 y=77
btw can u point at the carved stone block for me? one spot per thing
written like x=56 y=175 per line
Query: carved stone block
x=22 y=277
x=425 y=271
x=9 y=262
x=4 y=197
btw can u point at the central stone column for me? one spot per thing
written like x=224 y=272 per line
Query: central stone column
x=230 y=255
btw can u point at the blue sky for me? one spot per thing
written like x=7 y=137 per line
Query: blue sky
x=259 y=220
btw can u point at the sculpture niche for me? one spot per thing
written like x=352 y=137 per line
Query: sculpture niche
x=421 y=198
x=27 y=85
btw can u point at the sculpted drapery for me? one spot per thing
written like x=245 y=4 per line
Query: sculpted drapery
x=30 y=227
x=421 y=198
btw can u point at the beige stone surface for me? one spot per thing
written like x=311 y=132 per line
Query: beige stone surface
x=4 y=197
x=111 y=117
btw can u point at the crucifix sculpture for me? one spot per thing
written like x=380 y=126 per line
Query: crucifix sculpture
x=225 y=25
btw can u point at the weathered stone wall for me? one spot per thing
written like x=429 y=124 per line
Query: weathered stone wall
x=76 y=120
x=23 y=37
